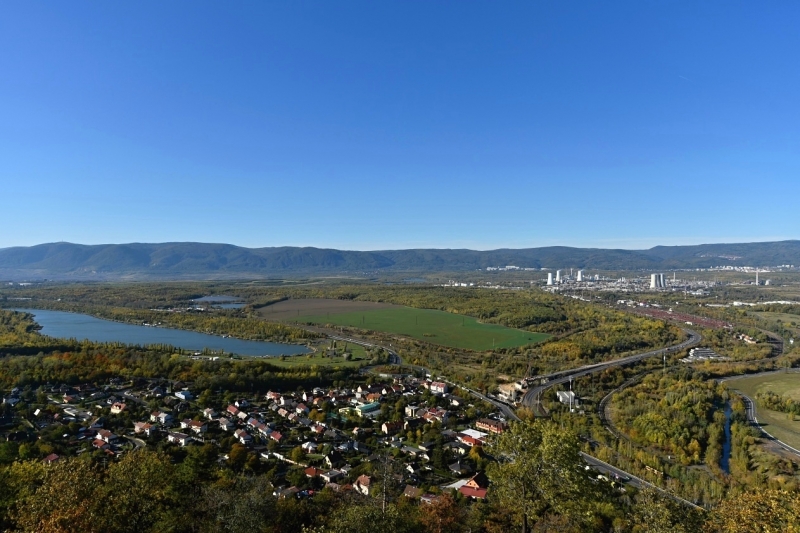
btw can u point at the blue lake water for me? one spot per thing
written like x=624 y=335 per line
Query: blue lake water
x=75 y=325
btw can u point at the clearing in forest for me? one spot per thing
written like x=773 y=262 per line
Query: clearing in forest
x=436 y=327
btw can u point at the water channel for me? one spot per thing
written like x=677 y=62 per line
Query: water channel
x=64 y=325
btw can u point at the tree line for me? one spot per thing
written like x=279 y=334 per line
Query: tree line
x=537 y=484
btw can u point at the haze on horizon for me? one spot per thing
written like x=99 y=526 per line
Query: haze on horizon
x=374 y=126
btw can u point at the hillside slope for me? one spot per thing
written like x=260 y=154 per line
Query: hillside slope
x=201 y=260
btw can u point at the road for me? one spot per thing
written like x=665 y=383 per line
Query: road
x=752 y=414
x=630 y=479
x=395 y=359
x=532 y=397
x=506 y=409
x=509 y=413
x=137 y=442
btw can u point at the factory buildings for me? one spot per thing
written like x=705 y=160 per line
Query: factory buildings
x=657 y=281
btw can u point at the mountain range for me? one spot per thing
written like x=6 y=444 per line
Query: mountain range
x=184 y=260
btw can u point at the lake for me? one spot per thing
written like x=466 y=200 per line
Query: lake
x=217 y=298
x=75 y=325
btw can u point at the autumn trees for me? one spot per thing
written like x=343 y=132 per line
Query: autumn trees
x=763 y=511
x=539 y=473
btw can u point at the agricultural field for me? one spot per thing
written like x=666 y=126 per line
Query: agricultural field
x=436 y=327
x=778 y=424
x=293 y=309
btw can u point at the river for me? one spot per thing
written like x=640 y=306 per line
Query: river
x=64 y=325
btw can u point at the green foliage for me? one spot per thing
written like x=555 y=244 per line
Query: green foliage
x=778 y=402
x=655 y=513
x=674 y=413
x=437 y=327
x=538 y=473
x=765 y=511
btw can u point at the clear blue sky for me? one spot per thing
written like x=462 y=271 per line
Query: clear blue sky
x=374 y=125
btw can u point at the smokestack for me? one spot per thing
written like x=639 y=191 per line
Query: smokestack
x=653 y=281
x=580 y=275
x=549 y=278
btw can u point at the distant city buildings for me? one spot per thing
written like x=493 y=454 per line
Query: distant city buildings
x=657 y=281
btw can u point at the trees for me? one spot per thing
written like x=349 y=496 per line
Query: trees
x=369 y=518
x=539 y=472
x=765 y=511
x=63 y=503
x=654 y=513
x=135 y=492
x=442 y=516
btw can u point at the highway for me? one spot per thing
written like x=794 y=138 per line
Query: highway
x=561 y=377
x=532 y=397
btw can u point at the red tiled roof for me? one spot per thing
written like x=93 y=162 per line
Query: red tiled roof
x=313 y=472
x=469 y=492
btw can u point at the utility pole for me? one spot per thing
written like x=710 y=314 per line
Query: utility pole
x=571 y=394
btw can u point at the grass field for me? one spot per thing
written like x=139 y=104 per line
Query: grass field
x=359 y=358
x=786 y=319
x=778 y=424
x=436 y=327
x=293 y=309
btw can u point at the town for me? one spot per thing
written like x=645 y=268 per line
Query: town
x=306 y=440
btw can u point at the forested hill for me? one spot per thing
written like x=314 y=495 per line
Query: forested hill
x=200 y=260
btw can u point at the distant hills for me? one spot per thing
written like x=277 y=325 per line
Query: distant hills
x=187 y=260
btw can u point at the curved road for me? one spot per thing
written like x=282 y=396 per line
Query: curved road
x=532 y=397
x=395 y=359
x=750 y=410
x=509 y=413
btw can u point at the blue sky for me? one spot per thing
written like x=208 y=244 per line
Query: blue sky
x=375 y=125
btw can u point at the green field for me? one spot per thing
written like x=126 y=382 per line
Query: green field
x=359 y=357
x=437 y=327
x=778 y=424
x=790 y=322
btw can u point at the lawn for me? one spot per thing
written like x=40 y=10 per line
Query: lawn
x=778 y=424
x=359 y=358
x=437 y=327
